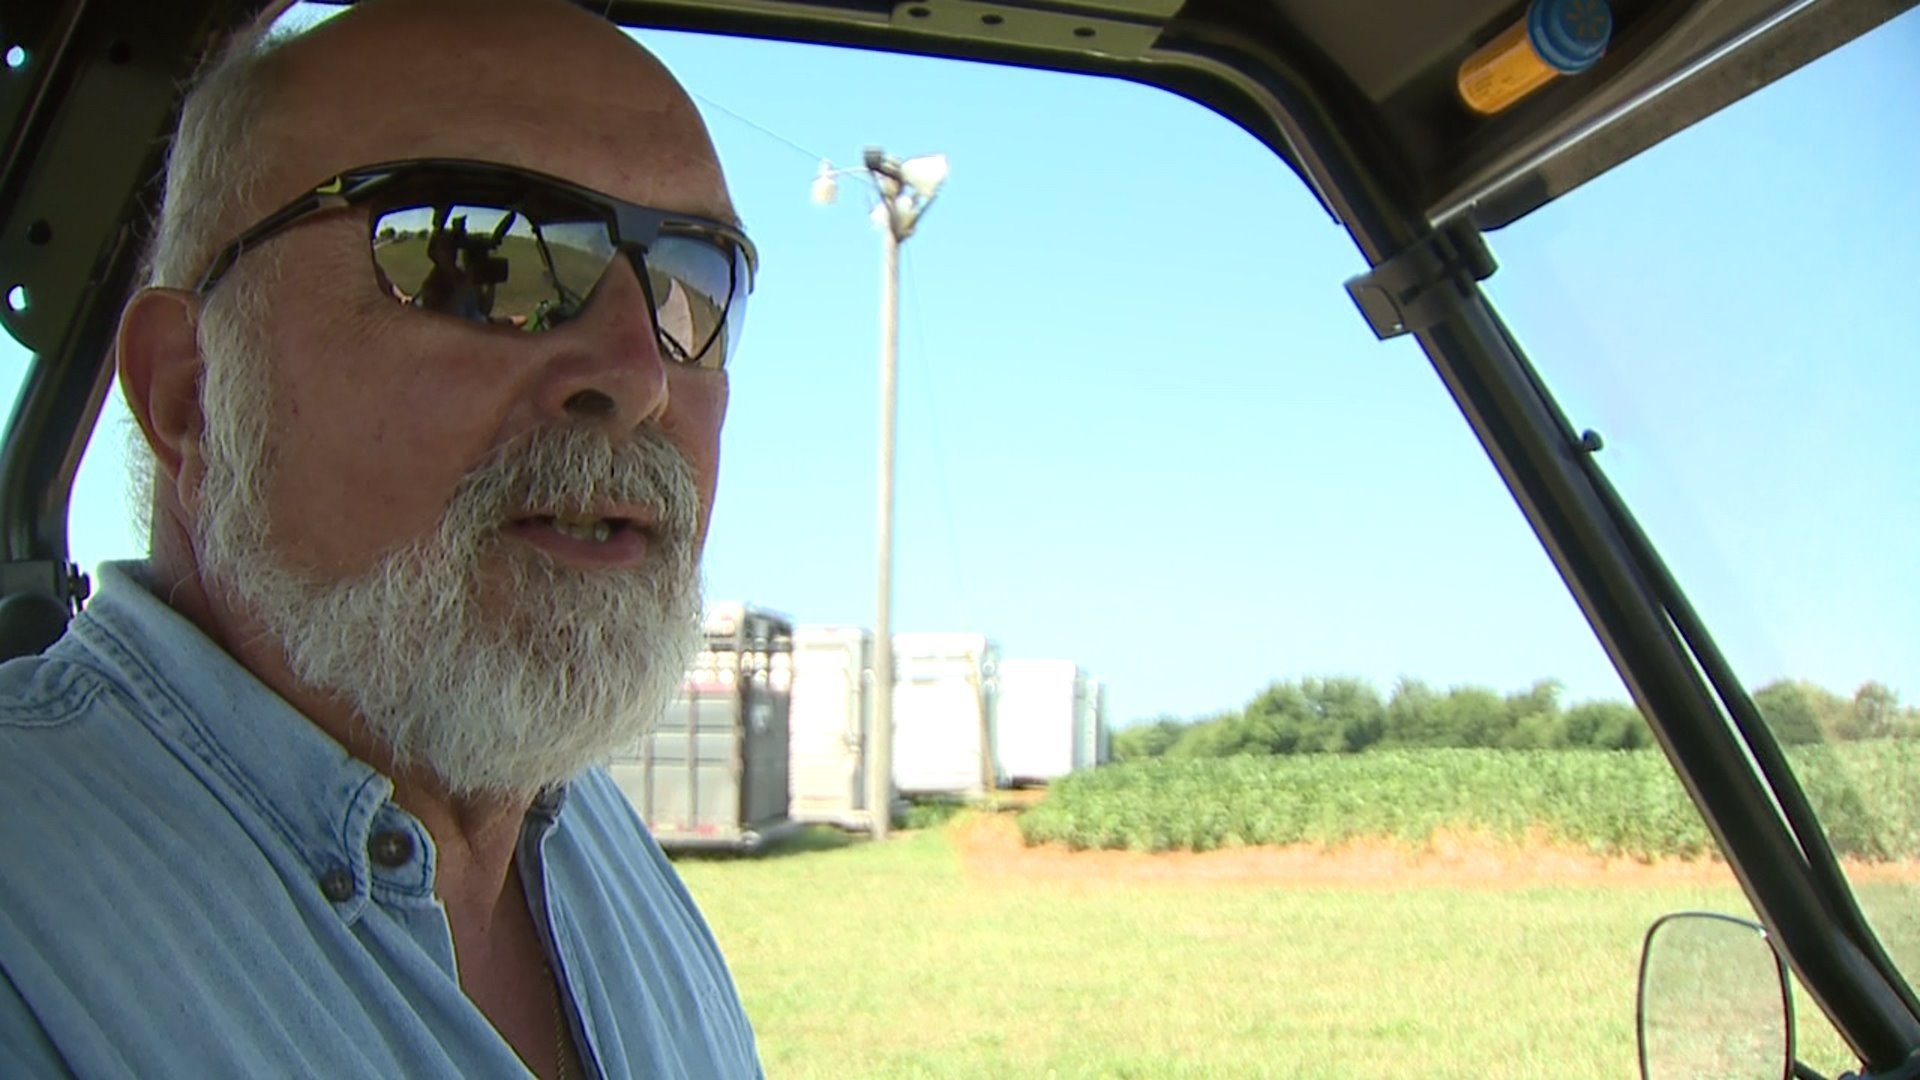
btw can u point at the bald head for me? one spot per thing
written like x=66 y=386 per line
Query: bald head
x=540 y=84
x=535 y=83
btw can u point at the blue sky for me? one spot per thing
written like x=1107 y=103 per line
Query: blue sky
x=1142 y=427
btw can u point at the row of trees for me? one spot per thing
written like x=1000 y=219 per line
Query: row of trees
x=1800 y=712
x=1340 y=715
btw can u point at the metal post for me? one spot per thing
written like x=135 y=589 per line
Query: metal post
x=880 y=758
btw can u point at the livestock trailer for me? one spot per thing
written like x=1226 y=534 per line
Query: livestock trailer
x=1091 y=737
x=1043 y=706
x=713 y=772
x=944 y=702
x=829 y=720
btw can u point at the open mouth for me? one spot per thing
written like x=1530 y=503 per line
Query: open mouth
x=586 y=527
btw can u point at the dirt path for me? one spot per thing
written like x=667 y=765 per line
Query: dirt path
x=990 y=846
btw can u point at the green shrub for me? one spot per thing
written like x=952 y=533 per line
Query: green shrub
x=930 y=815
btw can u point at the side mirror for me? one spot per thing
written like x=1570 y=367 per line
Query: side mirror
x=1714 y=1001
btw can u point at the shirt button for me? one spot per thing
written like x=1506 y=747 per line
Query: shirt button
x=392 y=849
x=337 y=884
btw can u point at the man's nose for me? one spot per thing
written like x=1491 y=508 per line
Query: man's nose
x=604 y=366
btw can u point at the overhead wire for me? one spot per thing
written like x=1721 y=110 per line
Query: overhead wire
x=607 y=13
x=768 y=132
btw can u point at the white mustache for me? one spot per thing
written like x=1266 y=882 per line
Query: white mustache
x=573 y=470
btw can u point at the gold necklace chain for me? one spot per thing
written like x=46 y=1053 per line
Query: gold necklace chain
x=559 y=1028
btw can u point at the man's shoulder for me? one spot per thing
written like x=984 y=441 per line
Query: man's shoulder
x=95 y=787
x=91 y=678
x=48 y=691
x=115 y=848
x=70 y=736
x=81 y=766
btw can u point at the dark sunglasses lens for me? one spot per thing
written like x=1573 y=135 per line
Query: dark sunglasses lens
x=489 y=265
x=697 y=299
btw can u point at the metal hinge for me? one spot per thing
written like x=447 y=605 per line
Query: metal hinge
x=1417 y=288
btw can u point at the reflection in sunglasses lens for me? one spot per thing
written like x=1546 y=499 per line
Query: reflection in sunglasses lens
x=491 y=265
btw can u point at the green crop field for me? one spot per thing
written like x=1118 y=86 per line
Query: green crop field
x=923 y=958
x=1609 y=802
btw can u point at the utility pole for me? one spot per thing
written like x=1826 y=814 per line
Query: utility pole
x=880 y=740
x=906 y=189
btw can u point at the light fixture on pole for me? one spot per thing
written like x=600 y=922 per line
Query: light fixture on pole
x=826 y=184
x=906 y=189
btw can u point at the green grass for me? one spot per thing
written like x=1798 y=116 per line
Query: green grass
x=894 y=961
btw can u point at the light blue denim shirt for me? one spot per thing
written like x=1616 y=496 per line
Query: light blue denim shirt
x=197 y=882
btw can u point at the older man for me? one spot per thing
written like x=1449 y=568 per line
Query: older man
x=432 y=371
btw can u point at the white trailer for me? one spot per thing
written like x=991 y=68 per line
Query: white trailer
x=1091 y=746
x=1043 y=709
x=943 y=714
x=828 y=722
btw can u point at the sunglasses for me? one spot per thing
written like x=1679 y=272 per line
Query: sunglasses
x=502 y=246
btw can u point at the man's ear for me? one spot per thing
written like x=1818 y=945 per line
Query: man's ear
x=159 y=349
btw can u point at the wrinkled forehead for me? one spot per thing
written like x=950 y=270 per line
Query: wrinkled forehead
x=537 y=85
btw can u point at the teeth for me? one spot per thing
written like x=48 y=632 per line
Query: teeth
x=584 y=528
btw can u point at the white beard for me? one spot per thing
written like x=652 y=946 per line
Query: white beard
x=498 y=668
